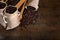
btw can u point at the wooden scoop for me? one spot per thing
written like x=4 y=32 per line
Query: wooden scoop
x=19 y=5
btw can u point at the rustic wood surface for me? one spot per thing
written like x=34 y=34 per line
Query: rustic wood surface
x=47 y=26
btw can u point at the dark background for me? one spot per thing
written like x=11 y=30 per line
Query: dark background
x=47 y=26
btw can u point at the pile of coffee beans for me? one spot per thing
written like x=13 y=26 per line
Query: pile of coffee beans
x=10 y=9
x=12 y=2
x=2 y=5
x=28 y=17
